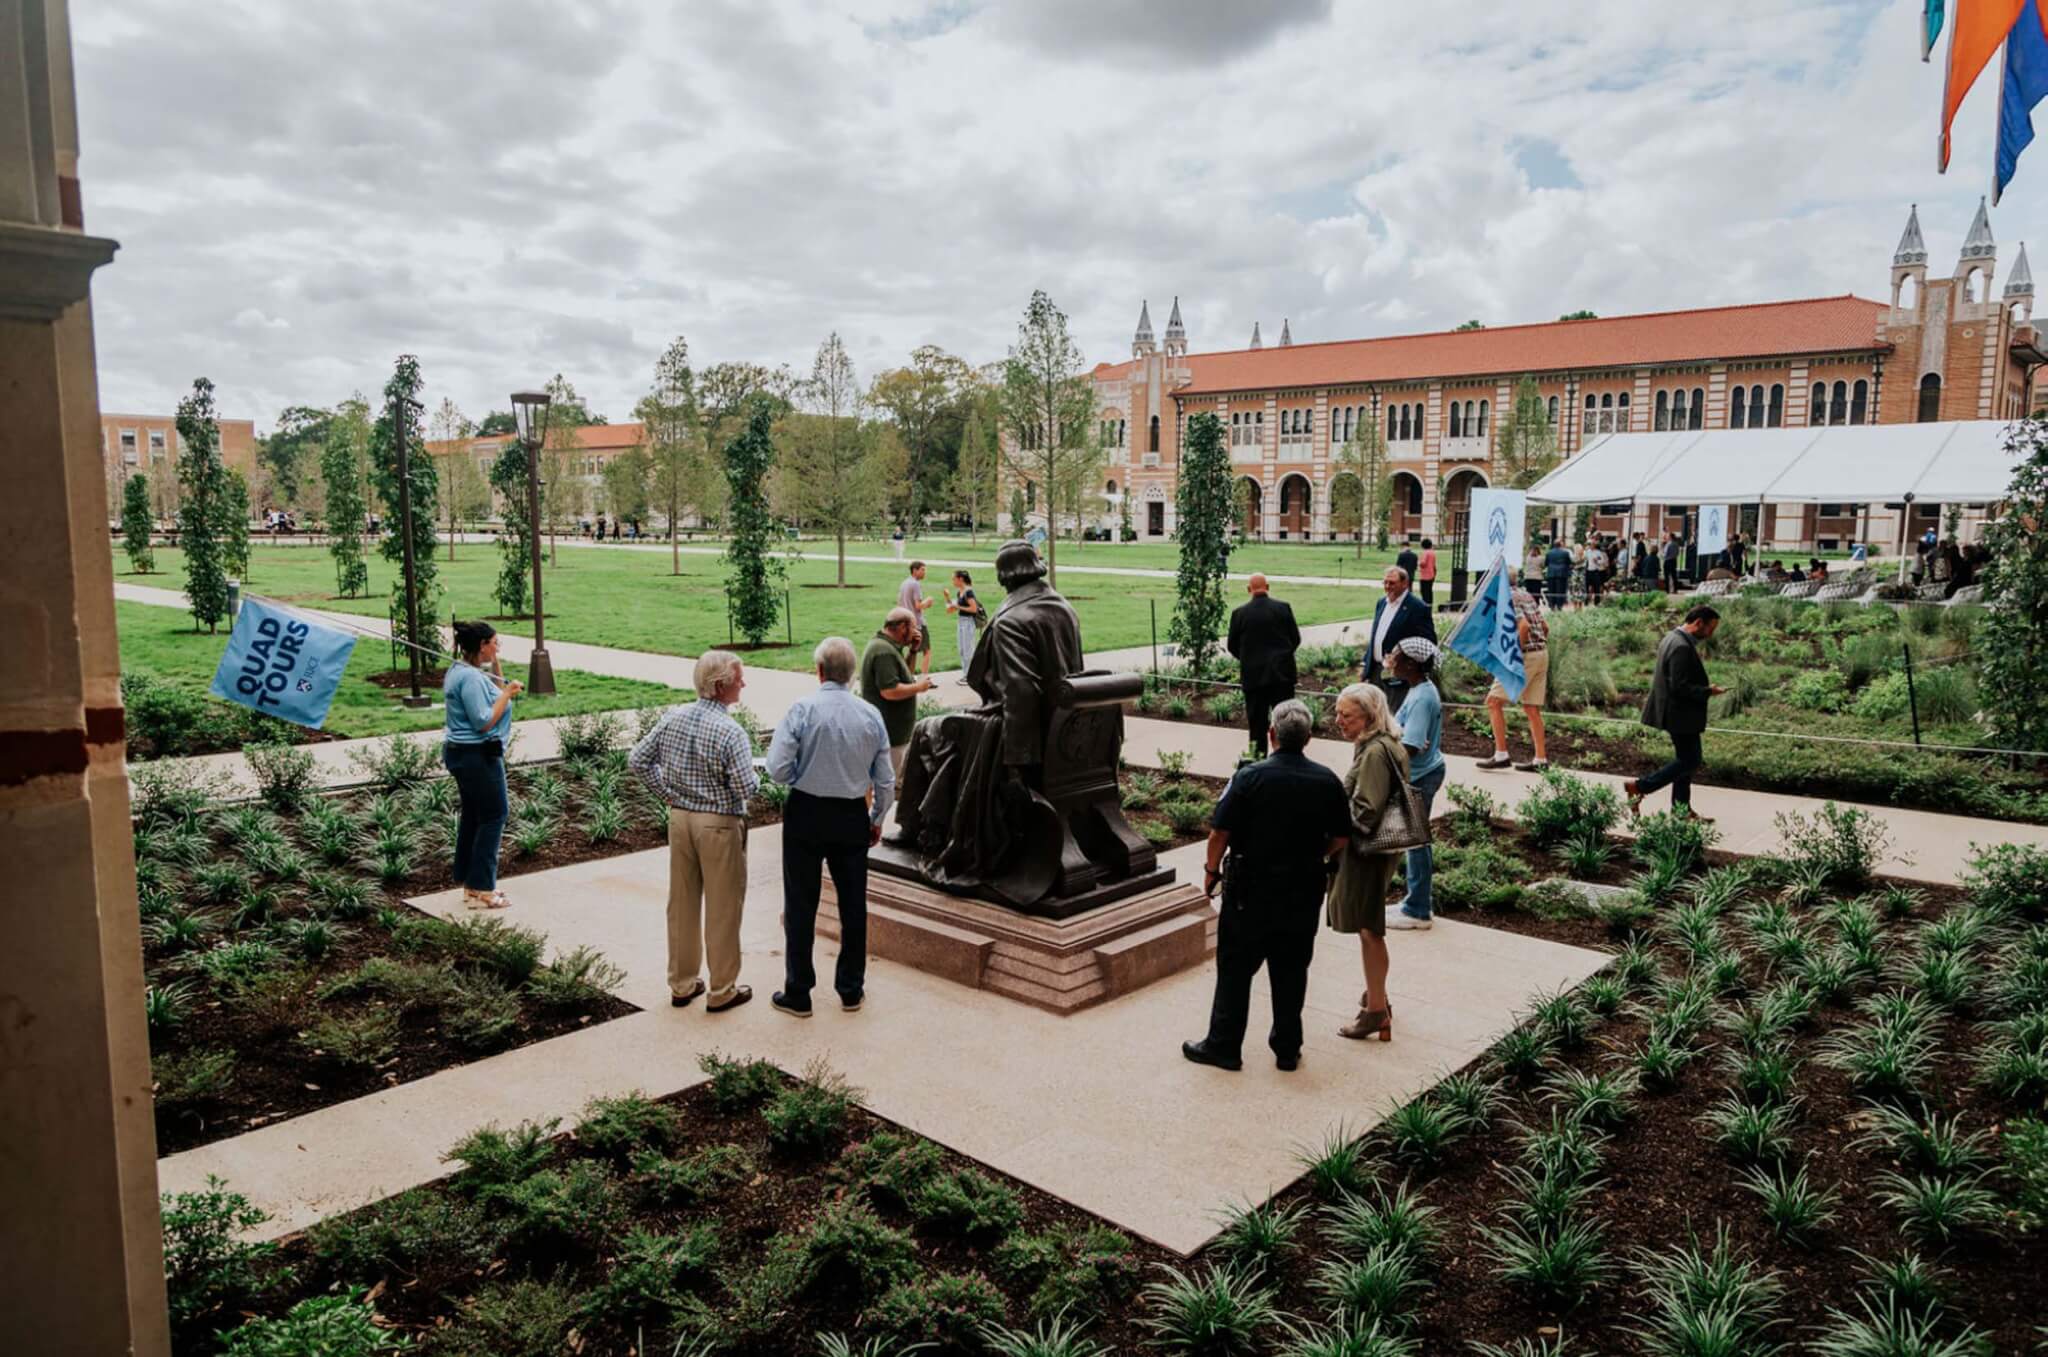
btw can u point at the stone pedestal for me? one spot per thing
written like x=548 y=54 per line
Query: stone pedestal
x=1059 y=964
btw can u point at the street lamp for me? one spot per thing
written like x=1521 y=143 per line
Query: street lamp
x=530 y=415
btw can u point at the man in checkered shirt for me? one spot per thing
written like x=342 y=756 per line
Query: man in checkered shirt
x=701 y=763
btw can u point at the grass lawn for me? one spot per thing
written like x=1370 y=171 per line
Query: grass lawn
x=160 y=643
x=1277 y=558
x=628 y=599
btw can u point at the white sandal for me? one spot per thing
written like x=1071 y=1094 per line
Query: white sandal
x=484 y=899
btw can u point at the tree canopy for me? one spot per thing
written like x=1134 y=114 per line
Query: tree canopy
x=1203 y=507
x=202 y=481
x=1047 y=405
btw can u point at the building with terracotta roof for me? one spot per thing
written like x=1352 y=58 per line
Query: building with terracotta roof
x=596 y=446
x=1939 y=349
x=148 y=445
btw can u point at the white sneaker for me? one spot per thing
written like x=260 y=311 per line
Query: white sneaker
x=1401 y=918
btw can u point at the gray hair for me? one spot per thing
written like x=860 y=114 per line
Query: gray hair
x=1292 y=726
x=903 y=615
x=1372 y=703
x=1395 y=570
x=835 y=659
x=715 y=669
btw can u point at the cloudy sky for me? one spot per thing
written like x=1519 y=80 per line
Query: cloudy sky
x=511 y=188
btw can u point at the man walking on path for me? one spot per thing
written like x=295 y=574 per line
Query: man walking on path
x=1678 y=705
x=910 y=596
x=1280 y=819
x=1398 y=616
x=832 y=751
x=1263 y=637
x=1534 y=634
x=1557 y=574
x=699 y=761
x=886 y=681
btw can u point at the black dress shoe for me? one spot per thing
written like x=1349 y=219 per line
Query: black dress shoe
x=1200 y=1053
x=739 y=996
x=1289 y=1063
x=685 y=1000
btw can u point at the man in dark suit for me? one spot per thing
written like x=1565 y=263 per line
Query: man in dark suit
x=1399 y=615
x=1678 y=705
x=1408 y=561
x=1263 y=637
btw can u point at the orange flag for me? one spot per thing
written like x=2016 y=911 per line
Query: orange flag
x=1975 y=32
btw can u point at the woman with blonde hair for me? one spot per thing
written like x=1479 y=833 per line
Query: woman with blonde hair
x=1358 y=897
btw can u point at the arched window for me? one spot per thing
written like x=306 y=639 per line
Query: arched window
x=1110 y=489
x=1930 y=398
x=1660 y=413
x=1591 y=423
x=1699 y=408
x=1457 y=423
x=1414 y=496
x=1483 y=411
x=1553 y=411
x=1738 y=411
x=1404 y=423
x=1471 y=412
x=1154 y=447
x=1859 y=403
x=1621 y=412
x=1607 y=413
x=1817 y=406
x=1777 y=411
x=1838 y=408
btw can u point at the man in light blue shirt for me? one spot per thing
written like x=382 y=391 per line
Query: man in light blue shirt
x=832 y=751
x=1422 y=731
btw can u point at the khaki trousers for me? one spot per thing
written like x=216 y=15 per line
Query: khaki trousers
x=707 y=886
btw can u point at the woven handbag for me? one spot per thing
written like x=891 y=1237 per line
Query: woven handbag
x=1402 y=823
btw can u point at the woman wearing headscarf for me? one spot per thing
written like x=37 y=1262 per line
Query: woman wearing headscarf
x=1357 y=901
x=479 y=705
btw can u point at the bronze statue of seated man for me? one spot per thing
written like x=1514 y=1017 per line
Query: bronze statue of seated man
x=1016 y=800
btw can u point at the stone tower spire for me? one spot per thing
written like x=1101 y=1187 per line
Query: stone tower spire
x=2020 y=282
x=1141 y=342
x=1978 y=244
x=1257 y=342
x=1176 y=333
x=1912 y=249
x=1286 y=336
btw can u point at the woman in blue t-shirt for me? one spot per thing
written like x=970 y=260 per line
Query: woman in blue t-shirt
x=1422 y=731
x=479 y=704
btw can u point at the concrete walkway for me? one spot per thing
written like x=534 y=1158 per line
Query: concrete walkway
x=1097 y=1108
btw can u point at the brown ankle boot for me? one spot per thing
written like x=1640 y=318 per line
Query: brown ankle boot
x=1370 y=1022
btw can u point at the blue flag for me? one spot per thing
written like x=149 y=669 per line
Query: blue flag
x=282 y=665
x=1488 y=636
x=2024 y=84
x=1931 y=15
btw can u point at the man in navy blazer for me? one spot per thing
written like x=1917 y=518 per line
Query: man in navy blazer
x=1399 y=615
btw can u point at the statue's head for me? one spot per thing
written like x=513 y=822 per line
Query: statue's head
x=1018 y=563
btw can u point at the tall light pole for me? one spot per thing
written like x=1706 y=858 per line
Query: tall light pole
x=402 y=409
x=530 y=413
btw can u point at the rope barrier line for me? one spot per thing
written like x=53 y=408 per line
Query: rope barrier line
x=1550 y=716
x=332 y=620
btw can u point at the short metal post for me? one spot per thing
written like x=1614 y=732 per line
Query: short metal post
x=788 y=618
x=1155 y=636
x=1912 y=697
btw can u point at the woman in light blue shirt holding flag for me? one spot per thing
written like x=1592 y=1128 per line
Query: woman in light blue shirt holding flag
x=479 y=708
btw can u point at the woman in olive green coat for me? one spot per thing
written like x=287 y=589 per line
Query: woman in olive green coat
x=1358 y=896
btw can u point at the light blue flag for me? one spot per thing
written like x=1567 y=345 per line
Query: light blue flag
x=2025 y=83
x=282 y=665
x=1931 y=15
x=1488 y=636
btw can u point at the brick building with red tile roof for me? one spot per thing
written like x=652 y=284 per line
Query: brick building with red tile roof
x=596 y=446
x=1938 y=350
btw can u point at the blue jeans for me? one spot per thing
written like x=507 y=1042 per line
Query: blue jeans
x=1420 y=866
x=480 y=779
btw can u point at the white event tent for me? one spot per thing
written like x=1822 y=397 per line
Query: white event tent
x=1961 y=461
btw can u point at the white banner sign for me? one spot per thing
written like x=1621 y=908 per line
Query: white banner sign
x=1497 y=528
x=1713 y=535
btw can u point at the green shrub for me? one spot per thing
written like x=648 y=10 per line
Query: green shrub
x=486 y=1013
x=701 y=1176
x=2010 y=878
x=1820 y=690
x=1843 y=844
x=408 y=985
x=527 y=1318
x=1886 y=699
x=947 y=1310
x=396 y=764
x=1562 y=807
x=207 y=1263
x=1072 y=1270
x=579 y=1205
x=2026 y=1167
x=1186 y=816
x=738 y=1084
x=892 y=1164
x=1474 y=809
x=807 y=1116
x=509 y=951
x=623 y=1126
x=285 y=776
x=1580 y=679
x=578 y=978
x=1156 y=832
x=362 y=1041
x=647 y=1277
x=419 y=1230
x=1673 y=840
x=322 y=1326
x=492 y=1157
x=848 y=1245
x=968 y=1203
x=189 y=1077
x=763 y=1297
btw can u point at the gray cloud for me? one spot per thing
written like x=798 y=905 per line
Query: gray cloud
x=1193 y=32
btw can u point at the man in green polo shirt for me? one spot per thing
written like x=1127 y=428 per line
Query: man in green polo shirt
x=885 y=680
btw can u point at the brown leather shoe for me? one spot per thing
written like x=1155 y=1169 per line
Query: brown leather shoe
x=739 y=996
x=1370 y=1022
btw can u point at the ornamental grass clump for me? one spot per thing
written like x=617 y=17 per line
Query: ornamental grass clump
x=2013 y=1060
x=1522 y=1054
x=1891 y=1051
x=1216 y=1311
x=1602 y=1101
x=1421 y=1131
x=1750 y=1133
x=1938 y=1210
x=1708 y=1301
x=1890 y=1330
x=1376 y=1287
x=1397 y=1219
x=1338 y=1166
x=1256 y=1236
x=1796 y=1206
x=1559 y=1265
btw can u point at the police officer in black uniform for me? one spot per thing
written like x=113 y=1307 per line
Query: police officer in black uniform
x=1281 y=819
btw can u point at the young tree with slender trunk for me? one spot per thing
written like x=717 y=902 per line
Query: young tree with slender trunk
x=625 y=479
x=726 y=396
x=343 y=471
x=1526 y=448
x=925 y=400
x=835 y=471
x=515 y=543
x=668 y=413
x=1203 y=504
x=202 y=483
x=136 y=523
x=752 y=567
x=401 y=403
x=1367 y=487
x=1047 y=404
x=448 y=426
x=234 y=526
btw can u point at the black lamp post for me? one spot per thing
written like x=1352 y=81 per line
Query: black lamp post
x=530 y=413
